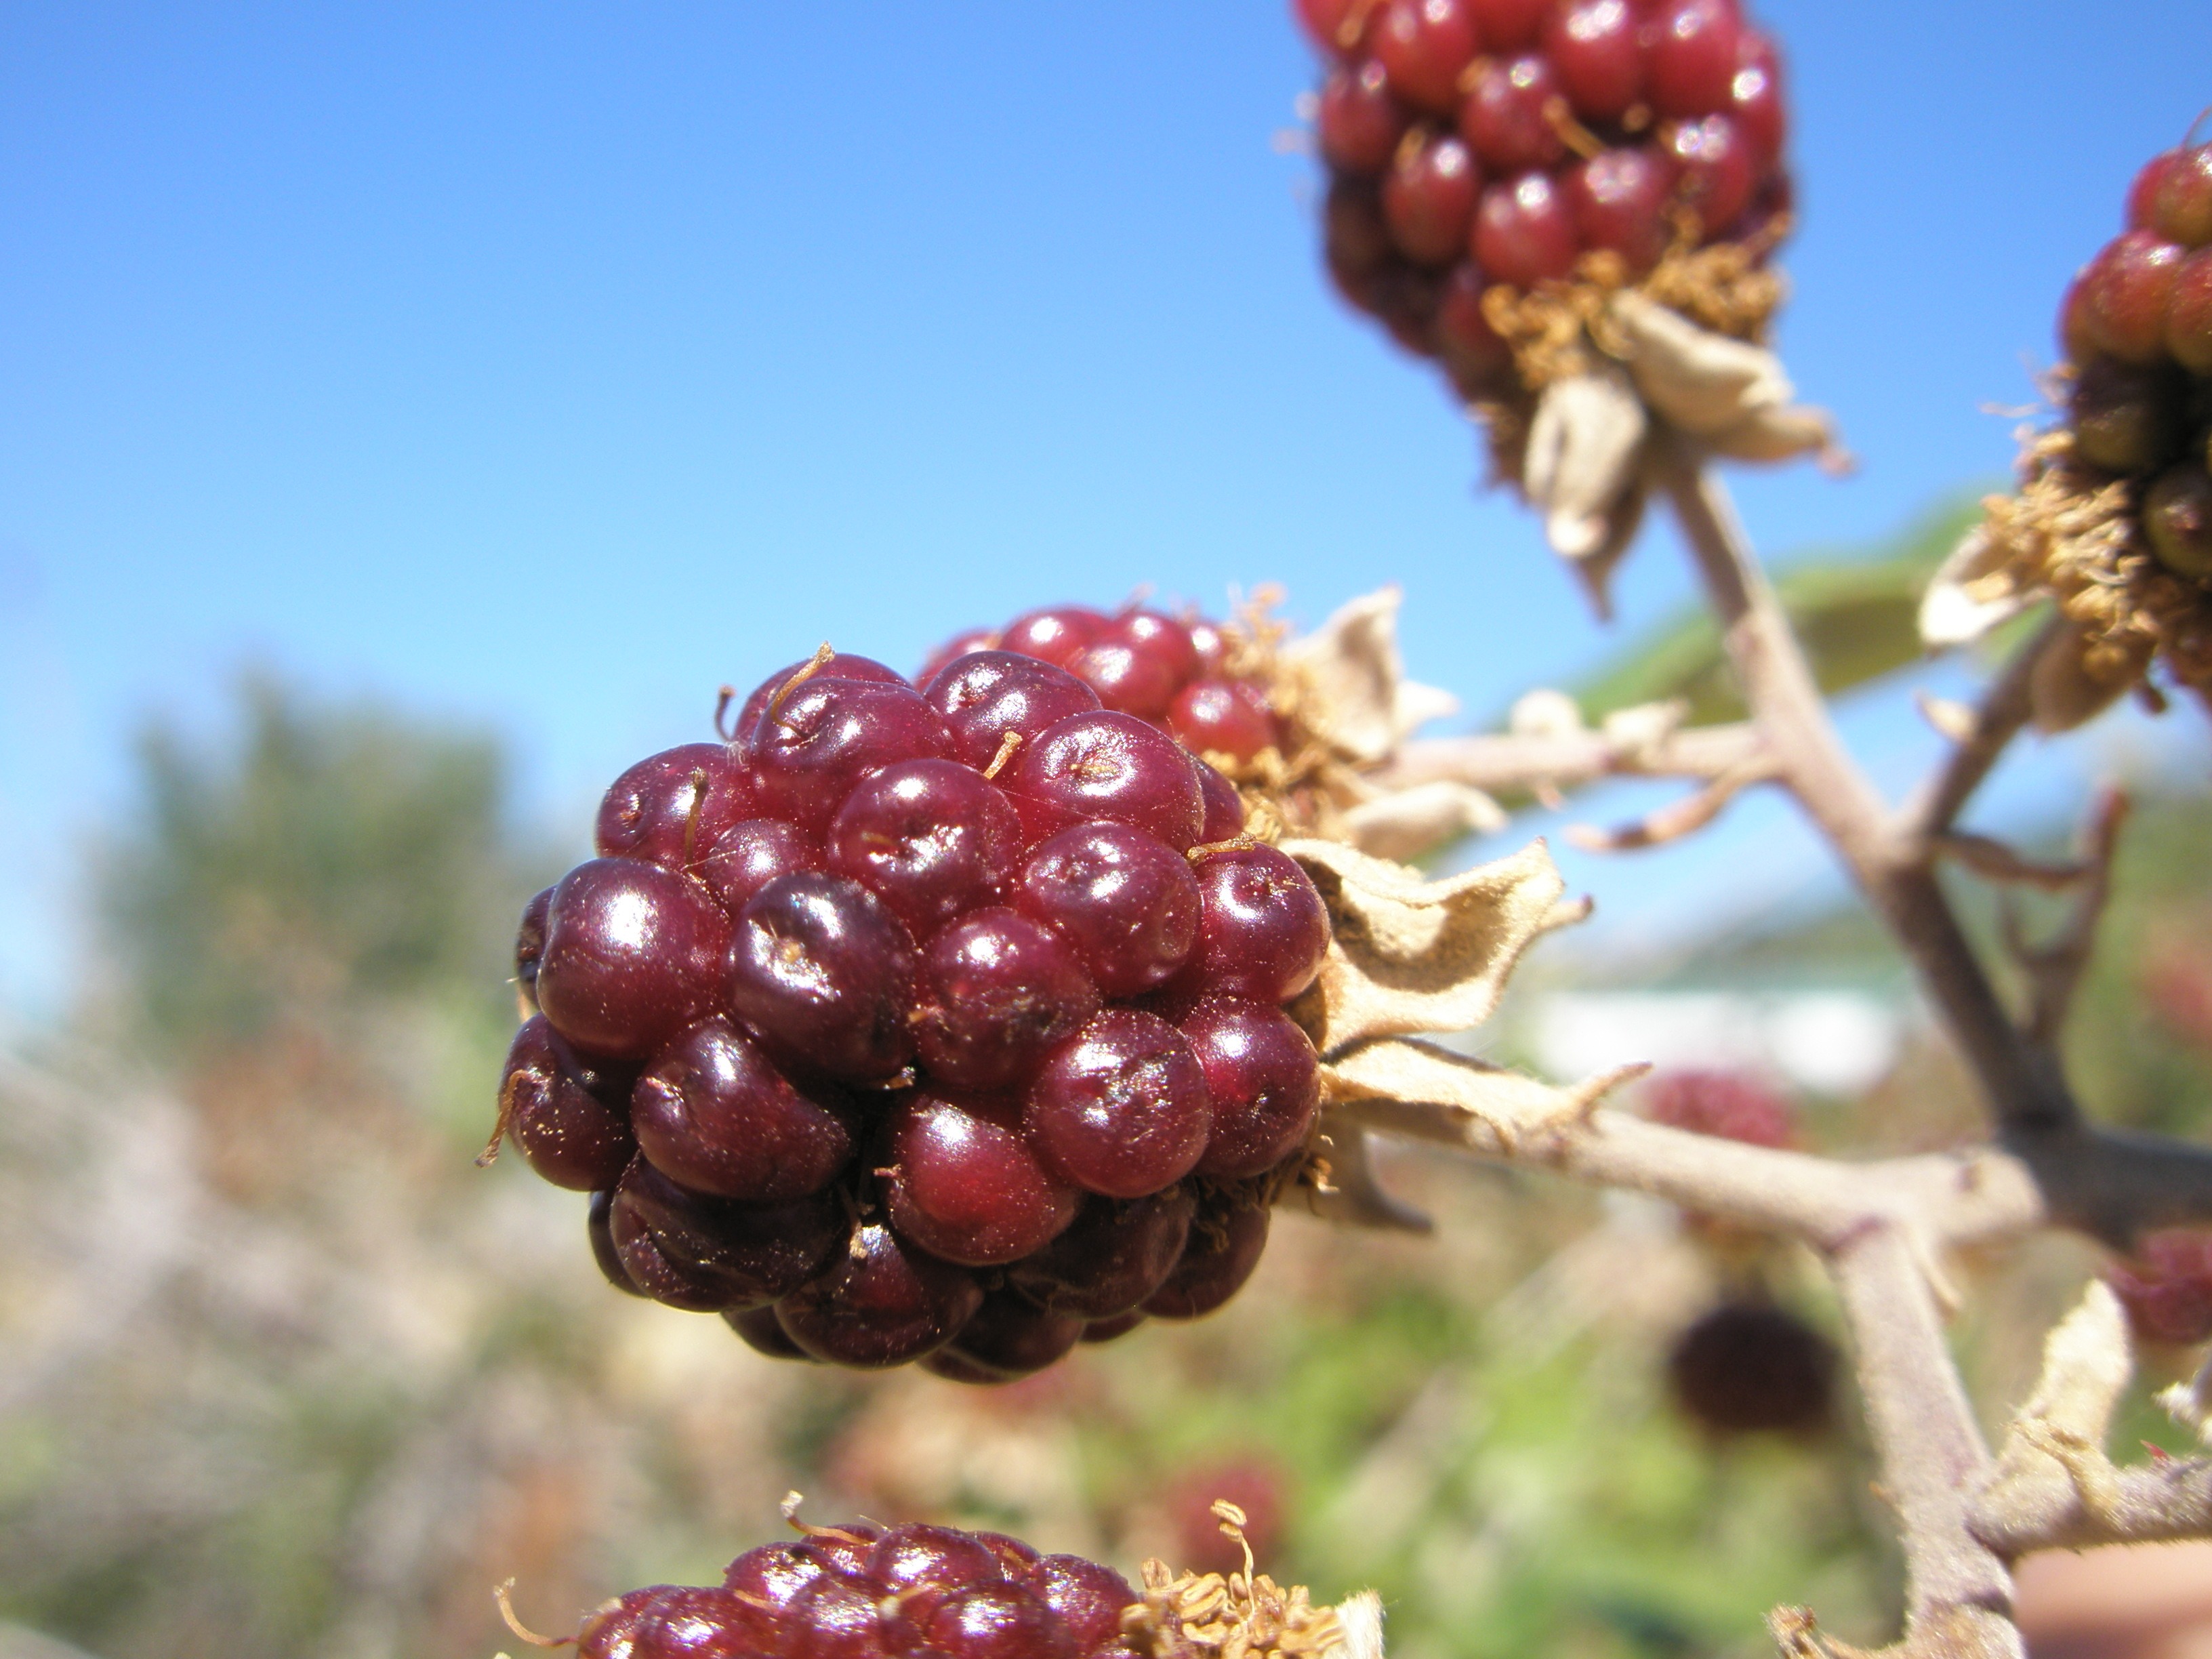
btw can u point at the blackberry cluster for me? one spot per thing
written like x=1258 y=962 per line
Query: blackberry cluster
x=1180 y=676
x=2167 y=1287
x=938 y=1023
x=2136 y=325
x=1747 y=1368
x=860 y=1591
x=1475 y=143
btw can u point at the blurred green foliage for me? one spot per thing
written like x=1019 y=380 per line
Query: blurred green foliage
x=330 y=852
x=1855 y=608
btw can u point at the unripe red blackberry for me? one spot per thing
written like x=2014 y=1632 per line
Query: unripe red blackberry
x=1627 y=130
x=2167 y=1287
x=841 y=1030
x=2113 y=516
x=1747 y=1368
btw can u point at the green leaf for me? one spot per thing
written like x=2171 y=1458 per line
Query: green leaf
x=1855 y=609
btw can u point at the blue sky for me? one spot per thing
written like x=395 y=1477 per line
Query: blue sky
x=544 y=368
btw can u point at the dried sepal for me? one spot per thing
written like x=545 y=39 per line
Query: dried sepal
x=1355 y=698
x=2072 y=533
x=1408 y=954
x=1403 y=823
x=1582 y=456
x=1245 y=1615
x=1428 y=1093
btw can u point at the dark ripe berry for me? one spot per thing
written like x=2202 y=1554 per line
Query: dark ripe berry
x=1106 y=1330
x=2143 y=193
x=1226 y=1240
x=1405 y=303
x=2167 y=1287
x=2176 y=518
x=1596 y=48
x=840 y=1618
x=772 y=1573
x=1725 y=1104
x=1480 y=361
x=2183 y=210
x=2126 y=292
x=1210 y=646
x=565 y=1115
x=1011 y=1337
x=634 y=953
x=1121 y=1108
x=751 y=853
x=2125 y=418
x=965 y=1185
x=2077 y=343
x=707 y=1254
x=1126 y=677
x=1335 y=27
x=1088 y=1598
x=1509 y=116
x=880 y=1302
x=1227 y=717
x=996 y=1621
x=1016 y=1559
x=530 y=945
x=1510 y=25
x=953 y=1366
x=1264 y=1080
x=712 y=1113
x=959 y=646
x=1224 y=807
x=1428 y=197
x=838 y=665
x=1128 y=905
x=1359 y=121
x=763 y=1333
x=825 y=974
x=1054 y=635
x=1422 y=45
x=1262 y=929
x=1356 y=240
x=1164 y=638
x=673 y=1621
x=997 y=993
x=1117 y=1253
x=1112 y=767
x=1693 y=59
x=1713 y=170
x=2189 y=316
x=842 y=1549
x=599 y=1228
x=1754 y=100
x=930 y=838
x=810 y=750
x=1524 y=232
x=987 y=693
x=1745 y=1368
x=943 y=1556
x=1137 y=663
x=668 y=807
x=1619 y=199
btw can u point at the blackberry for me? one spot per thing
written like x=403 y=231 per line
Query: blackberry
x=861 y=1592
x=864 y=1592
x=1507 y=145
x=1747 y=1368
x=2113 y=514
x=2167 y=1287
x=892 y=1028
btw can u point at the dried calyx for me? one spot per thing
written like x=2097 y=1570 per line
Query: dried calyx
x=2112 y=518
